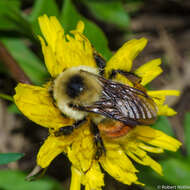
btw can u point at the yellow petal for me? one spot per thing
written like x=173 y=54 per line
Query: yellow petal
x=52 y=147
x=80 y=26
x=155 y=137
x=159 y=97
x=141 y=157
x=50 y=28
x=93 y=178
x=75 y=51
x=165 y=110
x=62 y=51
x=124 y=57
x=50 y=60
x=75 y=179
x=36 y=103
x=149 y=71
x=53 y=33
x=82 y=151
x=149 y=148
x=118 y=165
x=140 y=139
x=158 y=93
x=122 y=79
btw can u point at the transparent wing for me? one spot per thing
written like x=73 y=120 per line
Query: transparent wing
x=124 y=103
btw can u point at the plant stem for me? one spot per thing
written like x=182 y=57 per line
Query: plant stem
x=16 y=71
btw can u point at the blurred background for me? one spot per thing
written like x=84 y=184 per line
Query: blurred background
x=108 y=24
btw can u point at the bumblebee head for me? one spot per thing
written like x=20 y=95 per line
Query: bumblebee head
x=76 y=86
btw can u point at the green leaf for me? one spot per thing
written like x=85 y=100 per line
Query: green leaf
x=13 y=109
x=26 y=59
x=6 y=158
x=109 y=11
x=176 y=171
x=69 y=22
x=187 y=132
x=150 y=178
x=6 y=97
x=42 y=7
x=164 y=125
x=12 y=20
x=6 y=8
x=15 y=180
x=69 y=18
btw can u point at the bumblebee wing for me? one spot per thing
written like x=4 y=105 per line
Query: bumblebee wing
x=124 y=103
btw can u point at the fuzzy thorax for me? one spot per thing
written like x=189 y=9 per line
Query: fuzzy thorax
x=76 y=86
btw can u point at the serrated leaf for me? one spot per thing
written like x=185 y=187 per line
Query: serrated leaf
x=15 y=180
x=27 y=60
x=6 y=158
x=109 y=11
x=69 y=18
x=187 y=132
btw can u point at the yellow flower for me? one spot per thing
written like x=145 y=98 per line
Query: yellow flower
x=63 y=51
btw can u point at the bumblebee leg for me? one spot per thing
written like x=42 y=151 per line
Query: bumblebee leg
x=100 y=62
x=129 y=75
x=98 y=141
x=67 y=130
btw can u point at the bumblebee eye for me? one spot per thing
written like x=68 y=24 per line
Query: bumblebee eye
x=74 y=86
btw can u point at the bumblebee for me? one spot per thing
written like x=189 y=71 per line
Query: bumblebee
x=80 y=91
